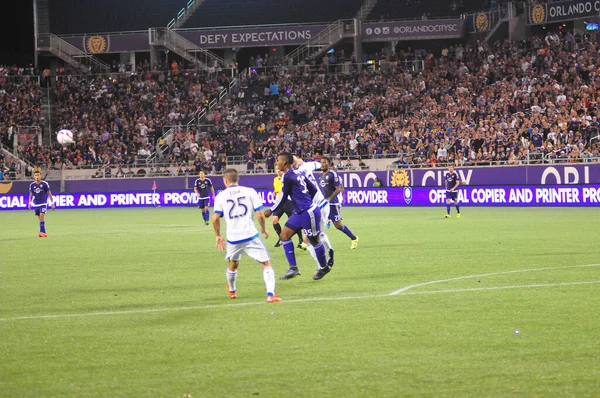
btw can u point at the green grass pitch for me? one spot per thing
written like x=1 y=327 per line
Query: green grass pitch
x=132 y=303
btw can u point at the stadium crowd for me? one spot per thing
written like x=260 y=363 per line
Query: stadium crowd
x=471 y=104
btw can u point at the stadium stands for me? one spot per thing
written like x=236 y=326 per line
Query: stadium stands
x=256 y=12
x=111 y=15
x=411 y=9
x=514 y=102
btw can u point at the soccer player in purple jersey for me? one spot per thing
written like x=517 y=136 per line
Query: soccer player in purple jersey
x=452 y=183
x=306 y=216
x=330 y=185
x=39 y=193
x=202 y=187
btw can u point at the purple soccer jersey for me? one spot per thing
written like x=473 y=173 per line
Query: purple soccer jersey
x=307 y=215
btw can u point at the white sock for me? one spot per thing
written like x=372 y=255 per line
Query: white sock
x=325 y=240
x=269 y=277
x=231 y=278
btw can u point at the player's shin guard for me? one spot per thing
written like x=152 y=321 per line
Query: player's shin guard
x=288 y=249
x=349 y=233
x=231 y=278
x=269 y=277
x=320 y=253
x=277 y=228
x=43 y=227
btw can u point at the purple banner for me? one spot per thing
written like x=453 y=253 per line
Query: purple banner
x=502 y=175
x=563 y=11
x=556 y=195
x=413 y=30
x=111 y=43
x=252 y=37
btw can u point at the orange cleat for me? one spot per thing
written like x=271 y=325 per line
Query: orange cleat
x=42 y=235
x=274 y=299
x=232 y=295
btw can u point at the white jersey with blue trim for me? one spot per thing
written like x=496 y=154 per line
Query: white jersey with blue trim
x=307 y=169
x=237 y=204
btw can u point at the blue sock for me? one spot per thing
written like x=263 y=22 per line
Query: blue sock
x=348 y=232
x=448 y=208
x=458 y=208
x=206 y=215
x=288 y=249
x=320 y=252
x=43 y=227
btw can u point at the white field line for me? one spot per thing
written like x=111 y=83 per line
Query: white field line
x=460 y=278
x=402 y=291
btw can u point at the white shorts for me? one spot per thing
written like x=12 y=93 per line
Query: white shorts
x=254 y=248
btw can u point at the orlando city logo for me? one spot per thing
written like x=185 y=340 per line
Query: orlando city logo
x=400 y=178
x=96 y=44
x=5 y=187
x=482 y=22
x=538 y=14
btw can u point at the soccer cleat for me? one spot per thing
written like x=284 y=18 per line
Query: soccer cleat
x=232 y=295
x=330 y=261
x=354 y=244
x=291 y=273
x=278 y=243
x=274 y=299
x=302 y=246
x=447 y=216
x=458 y=215
x=328 y=224
x=42 y=235
x=206 y=223
x=321 y=272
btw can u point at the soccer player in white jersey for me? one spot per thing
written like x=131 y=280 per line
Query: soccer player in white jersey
x=308 y=168
x=236 y=204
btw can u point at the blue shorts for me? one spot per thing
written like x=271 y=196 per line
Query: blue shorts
x=203 y=202
x=452 y=195
x=40 y=209
x=335 y=212
x=309 y=221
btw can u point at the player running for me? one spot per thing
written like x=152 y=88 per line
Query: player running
x=330 y=185
x=287 y=208
x=237 y=204
x=452 y=183
x=306 y=216
x=202 y=187
x=39 y=193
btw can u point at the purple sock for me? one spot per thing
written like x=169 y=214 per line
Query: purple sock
x=320 y=252
x=348 y=232
x=288 y=249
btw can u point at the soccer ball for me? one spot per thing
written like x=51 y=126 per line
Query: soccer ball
x=64 y=137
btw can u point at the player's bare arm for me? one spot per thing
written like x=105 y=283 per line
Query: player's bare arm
x=51 y=200
x=261 y=221
x=217 y=227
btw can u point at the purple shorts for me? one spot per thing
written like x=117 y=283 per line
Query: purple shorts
x=204 y=202
x=309 y=221
x=335 y=212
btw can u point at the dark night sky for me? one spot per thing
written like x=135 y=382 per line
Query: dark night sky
x=16 y=44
